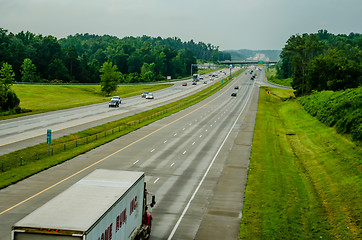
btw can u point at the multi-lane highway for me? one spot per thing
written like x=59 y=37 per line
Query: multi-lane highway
x=193 y=162
x=26 y=131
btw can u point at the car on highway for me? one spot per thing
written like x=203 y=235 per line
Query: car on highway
x=194 y=83
x=113 y=103
x=117 y=98
x=236 y=87
x=184 y=84
x=149 y=96
x=205 y=82
x=233 y=94
x=144 y=94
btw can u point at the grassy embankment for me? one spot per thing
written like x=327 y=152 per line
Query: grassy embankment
x=304 y=178
x=45 y=98
x=26 y=162
x=270 y=74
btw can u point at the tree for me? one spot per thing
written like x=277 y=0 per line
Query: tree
x=28 y=70
x=48 y=50
x=7 y=76
x=8 y=99
x=322 y=61
x=160 y=64
x=72 y=62
x=58 y=70
x=110 y=78
x=148 y=72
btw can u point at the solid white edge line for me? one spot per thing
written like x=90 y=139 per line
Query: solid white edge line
x=207 y=170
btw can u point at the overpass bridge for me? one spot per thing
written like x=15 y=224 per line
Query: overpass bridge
x=248 y=62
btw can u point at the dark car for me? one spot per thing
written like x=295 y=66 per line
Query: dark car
x=194 y=83
x=233 y=94
x=113 y=103
x=144 y=94
x=236 y=87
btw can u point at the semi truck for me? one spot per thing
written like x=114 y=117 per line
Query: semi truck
x=104 y=205
x=195 y=77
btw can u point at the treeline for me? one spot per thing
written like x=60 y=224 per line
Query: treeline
x=341 y=109
x=78 y=58
x=322 y=61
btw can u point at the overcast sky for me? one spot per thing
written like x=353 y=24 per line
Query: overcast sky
x=229 y=24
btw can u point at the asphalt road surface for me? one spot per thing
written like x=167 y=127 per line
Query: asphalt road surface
x=195 y=162
x=26 y=131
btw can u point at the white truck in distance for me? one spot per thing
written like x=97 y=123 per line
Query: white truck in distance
x=104 y=205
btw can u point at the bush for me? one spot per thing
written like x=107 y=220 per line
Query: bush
x=9 y=100
x=342 y=109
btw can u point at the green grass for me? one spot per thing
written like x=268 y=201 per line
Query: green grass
x=304 y=178
x=45 y=98
x=20 y=164
x=271 y=73
x=207 y=70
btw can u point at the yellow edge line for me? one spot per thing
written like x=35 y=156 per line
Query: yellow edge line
x=101 y=160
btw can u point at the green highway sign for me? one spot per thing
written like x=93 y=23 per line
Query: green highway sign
x=49 y=136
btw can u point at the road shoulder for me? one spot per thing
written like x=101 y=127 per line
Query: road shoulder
x=222 y=220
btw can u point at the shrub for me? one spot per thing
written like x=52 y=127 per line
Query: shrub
x=342 y=109
x=9 y=100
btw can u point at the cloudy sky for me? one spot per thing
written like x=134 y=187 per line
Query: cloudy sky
x=229 y=24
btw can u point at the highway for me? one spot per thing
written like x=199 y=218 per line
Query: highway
x=30 y=130
x=184 y=156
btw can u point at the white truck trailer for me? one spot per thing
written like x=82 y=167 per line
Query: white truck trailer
x=104 y=205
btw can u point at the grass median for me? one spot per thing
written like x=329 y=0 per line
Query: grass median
x=20 y=164
x=304 y=178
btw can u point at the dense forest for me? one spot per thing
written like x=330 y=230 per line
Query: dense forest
x=78 y=58
x=322 y=61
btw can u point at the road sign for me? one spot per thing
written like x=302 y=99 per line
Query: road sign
x=267 y=92
x=49 y=136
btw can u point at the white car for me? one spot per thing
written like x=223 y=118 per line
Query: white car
x=117 y=98
x=149 y=96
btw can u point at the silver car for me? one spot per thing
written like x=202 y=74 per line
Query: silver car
x=149 y=96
